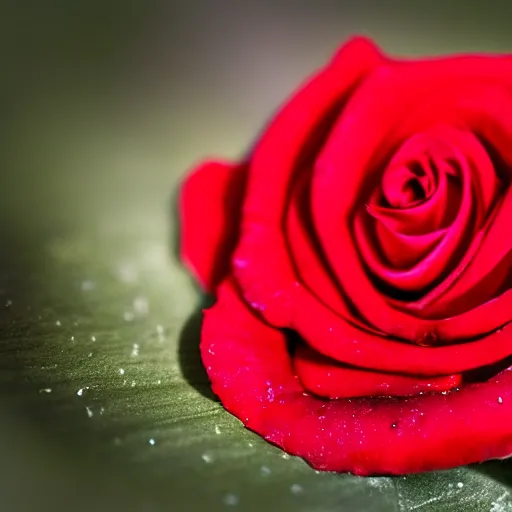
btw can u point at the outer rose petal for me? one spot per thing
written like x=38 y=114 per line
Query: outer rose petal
x=326 y=377
x=210 y=206
x=249 y=367
x=261 y=262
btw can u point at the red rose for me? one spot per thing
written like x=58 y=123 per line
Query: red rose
x=361 y=262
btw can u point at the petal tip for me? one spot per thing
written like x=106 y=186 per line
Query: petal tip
x=362 y=46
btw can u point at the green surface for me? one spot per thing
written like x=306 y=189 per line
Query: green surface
x=105 y=405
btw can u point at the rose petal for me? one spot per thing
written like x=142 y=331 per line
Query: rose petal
x=403 y=251
x=210 y=204
x=490 y=252
x=325 y=377
x=334 y=337
x=439 y=208
x=335 y=194
x=249 y=367
x=449 y=249
x=261 y=263
x=306 y=255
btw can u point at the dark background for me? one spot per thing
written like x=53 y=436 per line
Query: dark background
x=104 y=106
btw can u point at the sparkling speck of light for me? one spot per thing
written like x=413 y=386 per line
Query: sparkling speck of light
x=265 y=471
x=231 y=499
x=88 y=285
x=152 y=442
x=141 y=305
x=45 y=390
x=460 y=485
x=121 y=371
x=127 y=273
x=135 y=350
x=217 y=429
x=500 y=400
x=90 y=414
x=207 y=458
x=296 y=489
x=58 y=323
x=80 y=392
x=285 y=456
x=93 y=338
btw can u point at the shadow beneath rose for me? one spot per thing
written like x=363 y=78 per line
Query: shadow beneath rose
x=189 y=355
x=498 y=470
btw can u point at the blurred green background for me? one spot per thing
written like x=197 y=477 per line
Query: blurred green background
x=105 y=105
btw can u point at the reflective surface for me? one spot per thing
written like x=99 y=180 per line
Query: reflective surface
x=105 y=405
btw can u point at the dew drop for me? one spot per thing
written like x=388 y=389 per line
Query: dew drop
x=88 y=285
x=231 y=499
x=296 y=489
x=207 y=458
x=265 y=471
x=141 y=305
